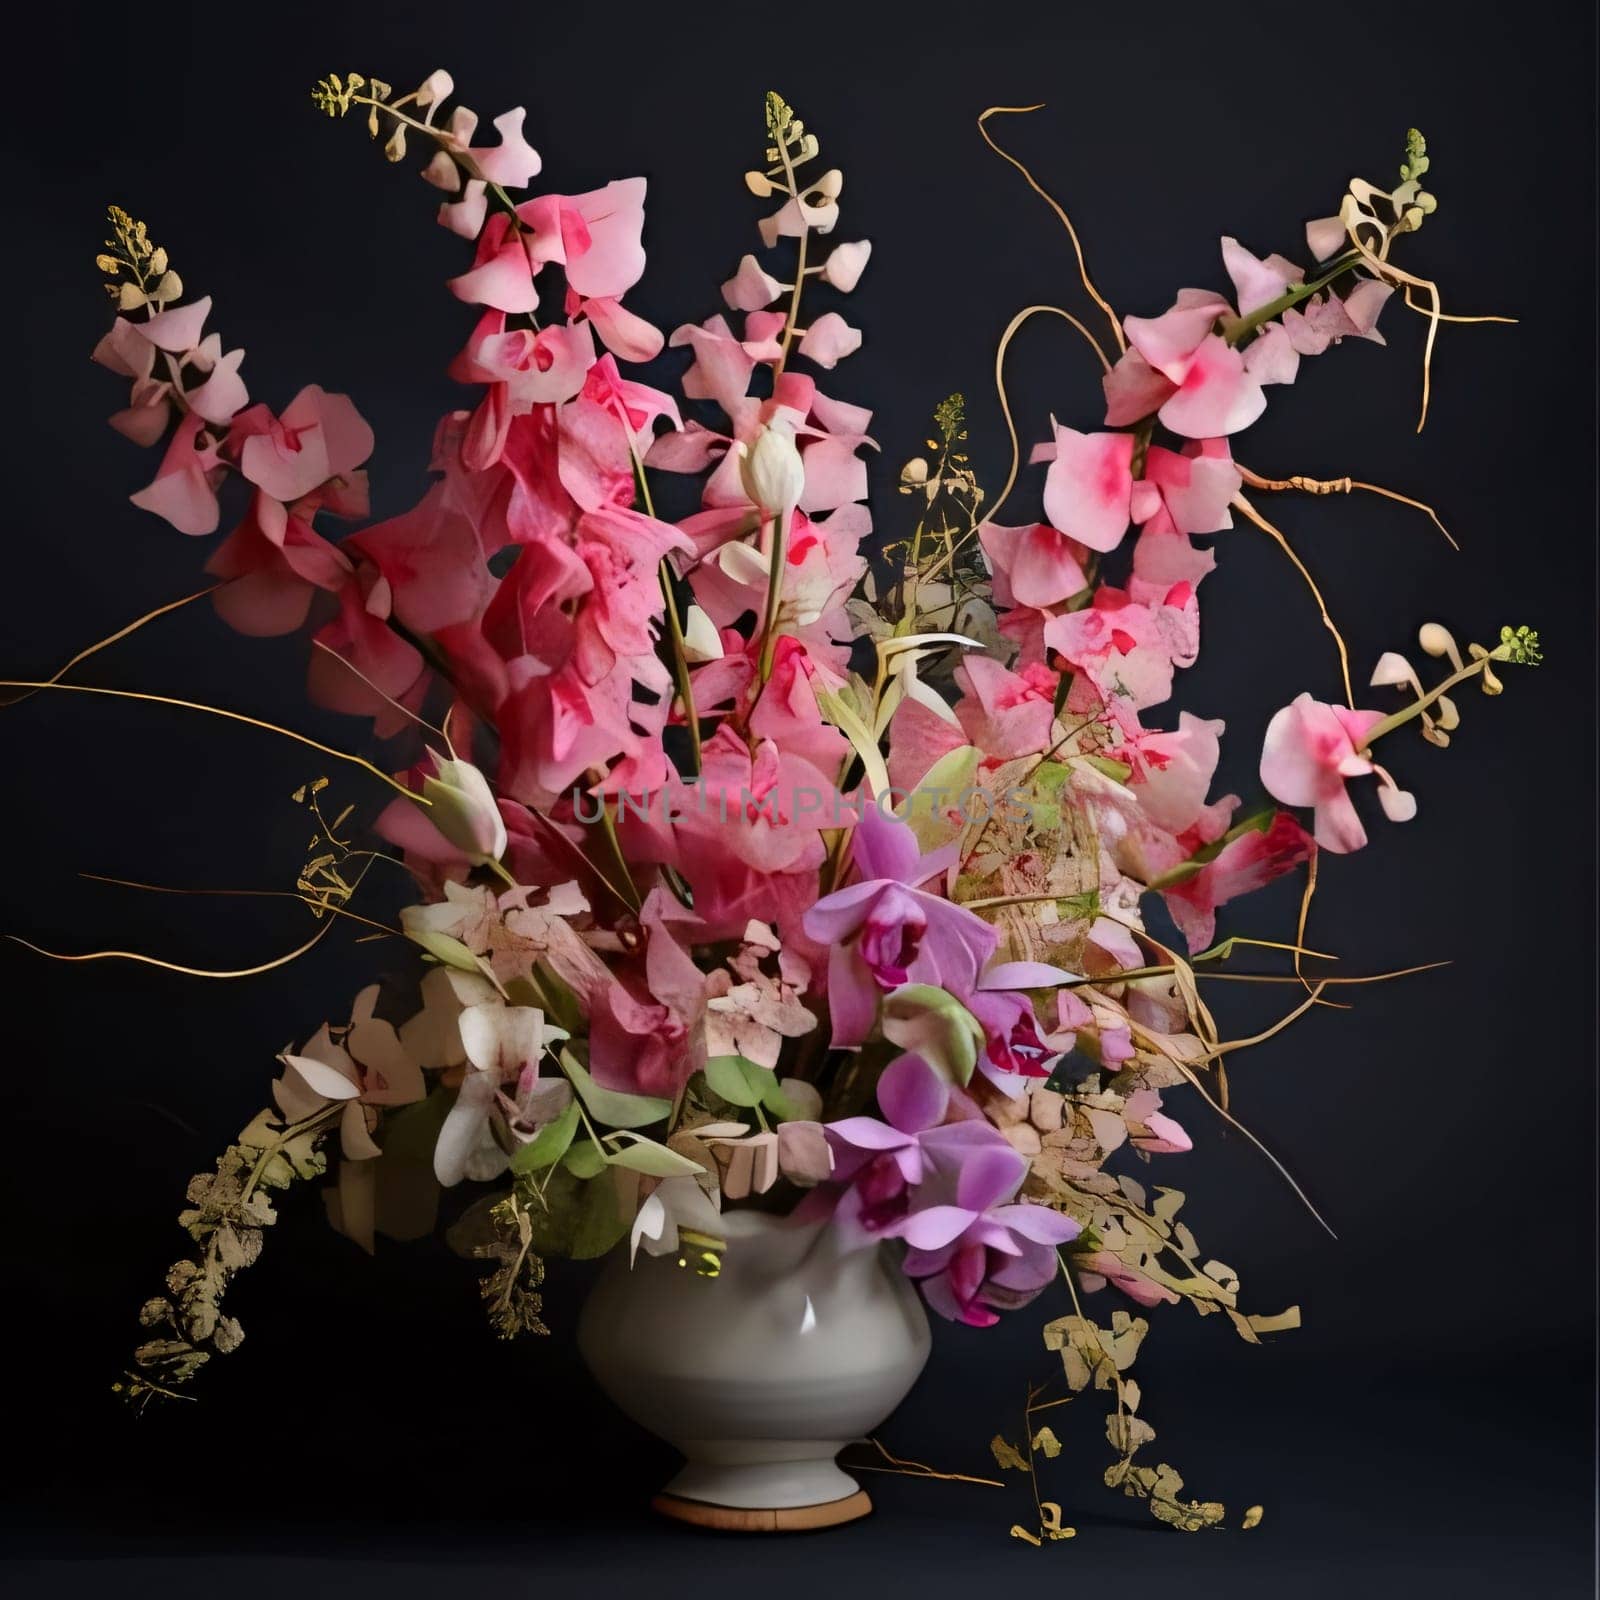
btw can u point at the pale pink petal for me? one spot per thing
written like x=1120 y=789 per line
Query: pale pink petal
x=829 y=340
x=1257 y=283
x=513 y=163
x=1134 y=390
x=1216 y=395
x=750 y=288
x=614 y=260
x=177 y=329
x=223 y=393
x=1271 y=357
x=623 y=333
x=1326 y=237
x=503 y=280
x=845 y=264
x=1169 y=341
x=465 y=216
x=1088 y=487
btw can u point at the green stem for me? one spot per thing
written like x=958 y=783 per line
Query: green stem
x=680 y=655
x=1241 y=328
x=1417 y=707
x=769 y=626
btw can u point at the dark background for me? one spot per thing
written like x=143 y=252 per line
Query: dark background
x=1432 y=1422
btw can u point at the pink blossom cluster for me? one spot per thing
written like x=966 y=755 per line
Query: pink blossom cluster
x=574 y=645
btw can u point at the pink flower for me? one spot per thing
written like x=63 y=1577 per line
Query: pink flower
x=318 y=437
x=1311 y=749
x=1187 y=491
x=1197 y=383
x=829 y=340
x=751 y=288
x=885 y=931
x=1089 y=485
x=513 y=163
x=184 y=488
x=1243 y=865
x=1128 y=651
x=1033 y=566
x=275 y=561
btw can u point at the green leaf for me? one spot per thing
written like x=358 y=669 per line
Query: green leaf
x=584 y=1160
x=639 y=1154
x=1256 y=822
x=610 y=1105
x=1117 y=771
x=783 y=1109
x=580 y=1220
x=934 y=1024
x=738 y=1080
x=443 y=948
x=549 y=1144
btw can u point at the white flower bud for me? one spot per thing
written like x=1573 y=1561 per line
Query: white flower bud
x=771 y=470
x=461 y=805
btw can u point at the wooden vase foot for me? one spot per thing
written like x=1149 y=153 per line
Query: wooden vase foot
x=775 y=1519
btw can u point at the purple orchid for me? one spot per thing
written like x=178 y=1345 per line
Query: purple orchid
x=940 y=1186
x=980 y=1254
x=884 y=931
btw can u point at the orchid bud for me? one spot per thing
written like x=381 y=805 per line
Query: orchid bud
x=772 y=472
x=462 y=807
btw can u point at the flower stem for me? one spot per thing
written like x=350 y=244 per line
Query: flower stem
x=680 y=655
x=1417 y=707
x=769 y=626
x=1239 y=328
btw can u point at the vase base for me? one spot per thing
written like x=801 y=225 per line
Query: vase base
x=763 y=1519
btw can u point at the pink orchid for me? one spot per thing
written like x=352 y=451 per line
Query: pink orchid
x=1310 y=750
x=884 y=931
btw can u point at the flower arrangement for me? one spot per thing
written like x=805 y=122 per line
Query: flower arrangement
x=757 y=866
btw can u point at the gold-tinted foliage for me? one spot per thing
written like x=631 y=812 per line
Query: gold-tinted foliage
x=229 y=1210
x=136 y=270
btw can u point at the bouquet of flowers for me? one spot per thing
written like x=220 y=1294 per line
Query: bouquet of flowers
x=758 y=863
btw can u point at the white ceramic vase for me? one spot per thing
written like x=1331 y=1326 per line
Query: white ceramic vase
x=762 y=1374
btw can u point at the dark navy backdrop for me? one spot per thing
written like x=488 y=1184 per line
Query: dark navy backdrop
x=1433 y=1416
